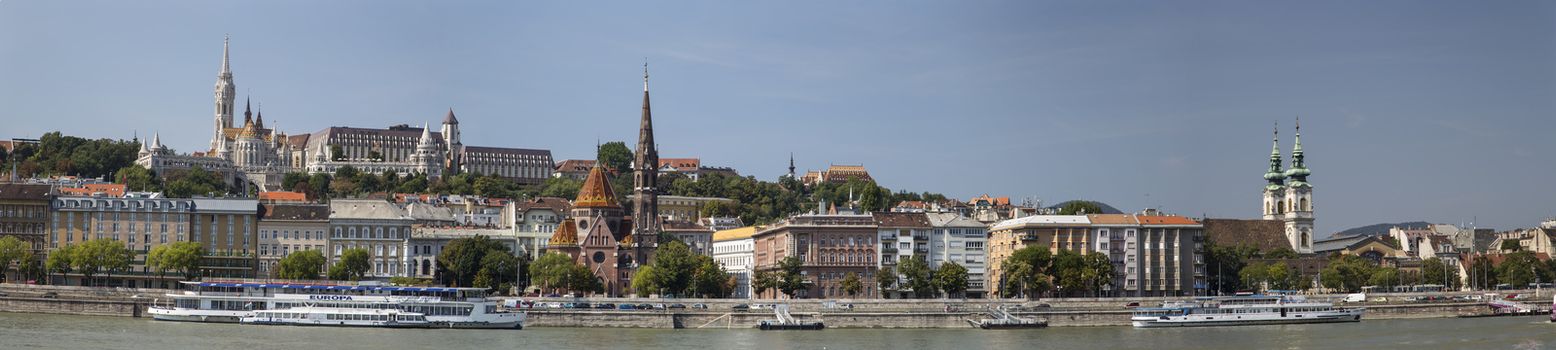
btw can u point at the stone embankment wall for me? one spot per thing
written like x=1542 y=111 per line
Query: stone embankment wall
x=72 y=300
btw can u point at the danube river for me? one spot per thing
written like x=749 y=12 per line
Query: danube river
x=26 y=331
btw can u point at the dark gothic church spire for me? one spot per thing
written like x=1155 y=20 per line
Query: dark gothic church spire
x=645 y=180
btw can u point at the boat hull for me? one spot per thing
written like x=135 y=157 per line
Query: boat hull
x=341 y=324
x=188 y=315
x=1353 y=315
x=803 y=326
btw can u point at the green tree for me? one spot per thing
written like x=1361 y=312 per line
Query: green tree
x=851 y=284
x=194 y=182
x=58 y=261
x=301 y=265
x=1224 y=265
x=336 y=154
x=1099 y=271
x=1025 y=271
x=1435 y=271
x=951 y=278
x=917 y=276
x=100 y=256
x=1080 y=207
x=11 y=250
x=29 y=267
x=183 y=257
x=762 y=281
x=1347 y=273
x=318 y=186
x=710 y=280
x=616 y=157
x=1284 y=277
x=1521 y=268
x=291 y=180
x=886 y=278
x=1069 y=273
x=1511 y=246
x=790 y=281
x=643 y=282
x=1482 y=274
x=499 y=270
x=464 y=258
x=580 y=279
x=137 y=178
x=1384 y=277
x=552 y=271
x=674 y=268
x=1255 y=275
x=560 y=187
x=354 y=264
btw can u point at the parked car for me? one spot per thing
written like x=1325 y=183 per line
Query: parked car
x=3 y=294
x=51 y=295
x=645 y=307
x=626 y=307
x=658 y=306
x=700 y=306
x=740 y=308
x=1132 y=304
x=606 y=306
x=678 y=306
x=761 y=306
x=553 y=295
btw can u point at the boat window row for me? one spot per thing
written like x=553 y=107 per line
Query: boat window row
x=235 y=305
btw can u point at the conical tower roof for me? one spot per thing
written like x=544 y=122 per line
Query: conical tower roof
x=566 y=234
x=596 y=191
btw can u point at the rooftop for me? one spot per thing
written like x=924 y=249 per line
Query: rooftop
x=365 y=209
x=1043 y=220
x=735 y=233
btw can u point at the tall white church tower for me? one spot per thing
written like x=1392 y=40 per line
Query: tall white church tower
x=1299 y=199
x=226 y=97
x=1275 y=190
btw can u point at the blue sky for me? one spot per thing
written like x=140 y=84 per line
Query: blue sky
x=1430 y=110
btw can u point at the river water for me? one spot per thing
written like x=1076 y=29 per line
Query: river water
x=34 y=331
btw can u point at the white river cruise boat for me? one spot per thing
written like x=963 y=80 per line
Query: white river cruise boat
x=232 y=302
x=339 y=317
x=1241 y=311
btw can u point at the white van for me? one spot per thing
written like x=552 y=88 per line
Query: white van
x=1356 y=297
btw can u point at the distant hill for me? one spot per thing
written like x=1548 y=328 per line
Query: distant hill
x=1377 y=229
x=1106 y=209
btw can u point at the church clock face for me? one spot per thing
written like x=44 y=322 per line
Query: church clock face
x=599 y=257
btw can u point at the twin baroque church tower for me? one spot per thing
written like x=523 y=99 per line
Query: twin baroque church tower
x=1288 y=196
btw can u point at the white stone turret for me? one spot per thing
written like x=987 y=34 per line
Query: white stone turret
x=426 y=158
x=455 y=149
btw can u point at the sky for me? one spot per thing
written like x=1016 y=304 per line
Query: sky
x=1411 y=110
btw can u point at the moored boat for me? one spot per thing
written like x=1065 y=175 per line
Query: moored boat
x=231 y=302
x=339 y=317
x=1242 y=311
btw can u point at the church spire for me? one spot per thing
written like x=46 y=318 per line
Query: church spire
x=791 y=165
x=259 y=118
x=645 y=180
x=1299 y=172
x=226 y=59
x=1275 y=176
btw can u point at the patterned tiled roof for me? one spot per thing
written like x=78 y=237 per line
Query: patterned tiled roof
x=596 y=191
x=566 y=234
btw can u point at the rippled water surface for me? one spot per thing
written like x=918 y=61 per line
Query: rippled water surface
x=27 y=331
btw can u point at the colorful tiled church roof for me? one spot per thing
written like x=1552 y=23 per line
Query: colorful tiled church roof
x=596 y=191
x=566 y=234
